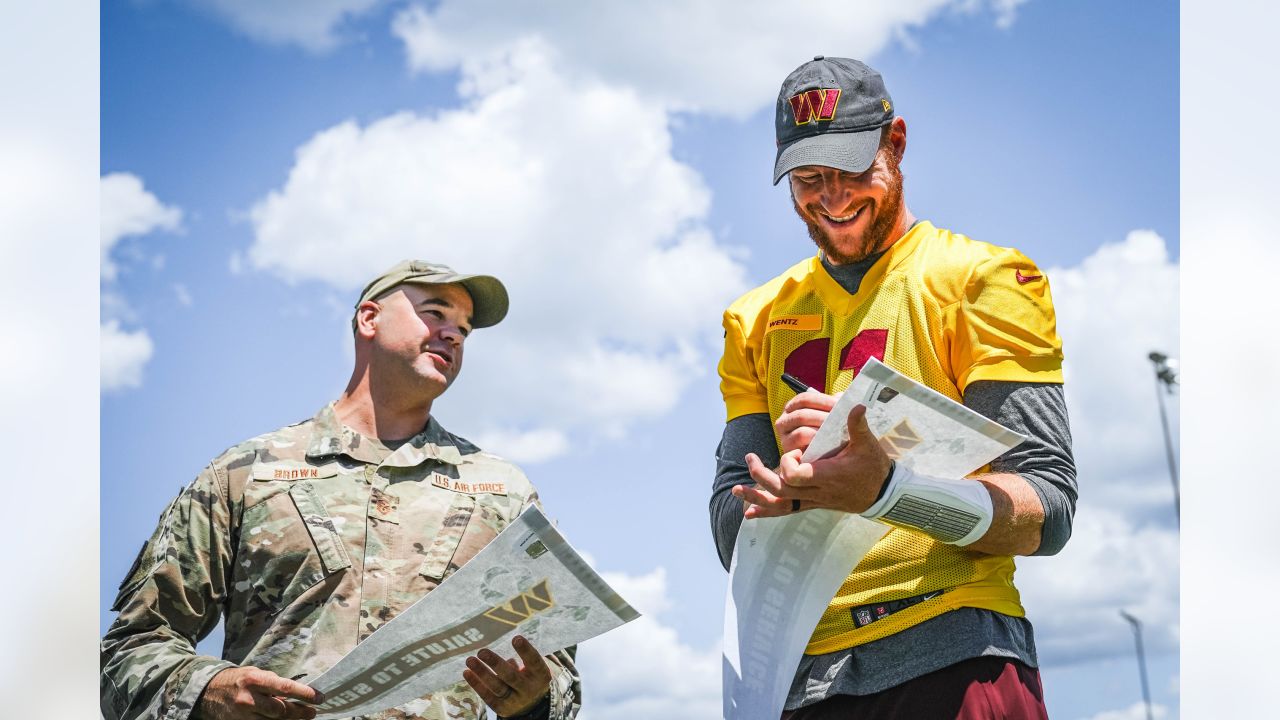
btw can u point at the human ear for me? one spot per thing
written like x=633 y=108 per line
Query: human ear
x=367 y=319
x=898 y=137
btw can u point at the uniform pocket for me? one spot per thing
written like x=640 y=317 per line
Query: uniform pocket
x=324 y=535
x=288 y=544
x=440 y=560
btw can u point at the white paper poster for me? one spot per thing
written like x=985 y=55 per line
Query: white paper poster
x=529 y=581
x=786 y=570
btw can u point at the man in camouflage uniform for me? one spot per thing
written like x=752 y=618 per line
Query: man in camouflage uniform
x=308 y=539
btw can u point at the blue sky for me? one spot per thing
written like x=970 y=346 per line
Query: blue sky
x=625 y=196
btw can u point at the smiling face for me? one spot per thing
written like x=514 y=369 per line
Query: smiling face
x=418 y=336
x=853 y=215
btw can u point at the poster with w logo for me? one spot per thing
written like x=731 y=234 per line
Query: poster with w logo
x=785 y=570
x=527 y=581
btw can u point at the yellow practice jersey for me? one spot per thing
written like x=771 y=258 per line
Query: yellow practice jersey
x=938 y=307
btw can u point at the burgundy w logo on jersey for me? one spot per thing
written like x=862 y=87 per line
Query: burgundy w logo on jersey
x=815 y=105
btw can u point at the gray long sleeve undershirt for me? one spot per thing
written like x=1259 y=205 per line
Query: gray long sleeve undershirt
x=1036 y=410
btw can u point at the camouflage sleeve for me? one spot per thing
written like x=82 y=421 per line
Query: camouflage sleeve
x=566 y=683
x=170 y=599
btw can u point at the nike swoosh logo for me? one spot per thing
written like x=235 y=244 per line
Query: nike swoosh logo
x=1024 y=279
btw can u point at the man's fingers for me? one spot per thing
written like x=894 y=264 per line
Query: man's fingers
x=535 y=666
x=271 y=706
x=505 y=685
x=253 y=692
x=297 y=711
x=799 y=439
x=757 y=503
x=799 y=418
x=795 y=435
x=269 y=683
x=763 y=476
x=859 y=431
x=271 y=693
x=811 y=399
x=772 y=510
x=483 y=680
x=500 y=667
x=794 y=474
x=754 y=496
x=300 y=711
x=484 y=689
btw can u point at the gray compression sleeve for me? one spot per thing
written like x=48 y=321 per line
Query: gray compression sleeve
x=744 y=434
x=1037 y=410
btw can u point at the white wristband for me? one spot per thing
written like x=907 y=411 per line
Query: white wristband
x=952 y=511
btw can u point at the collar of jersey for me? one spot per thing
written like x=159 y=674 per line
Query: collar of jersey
x=841 y=302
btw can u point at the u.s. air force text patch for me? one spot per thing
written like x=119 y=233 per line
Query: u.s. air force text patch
x=488 y=487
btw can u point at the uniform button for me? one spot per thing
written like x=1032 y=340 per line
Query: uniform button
x=819 y=57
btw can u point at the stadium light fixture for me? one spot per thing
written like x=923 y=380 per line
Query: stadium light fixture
x=1142 y=660
x=1166 y=378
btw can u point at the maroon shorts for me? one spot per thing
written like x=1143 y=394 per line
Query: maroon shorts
x=984 y=688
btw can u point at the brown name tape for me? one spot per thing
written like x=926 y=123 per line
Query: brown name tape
x=292 y=471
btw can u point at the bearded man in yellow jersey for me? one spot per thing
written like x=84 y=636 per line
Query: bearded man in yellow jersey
x=929 y=623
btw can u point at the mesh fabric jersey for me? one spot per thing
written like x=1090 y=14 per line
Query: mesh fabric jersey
x=938 y=307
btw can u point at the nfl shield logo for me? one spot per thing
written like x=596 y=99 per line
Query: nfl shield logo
x=864 y=617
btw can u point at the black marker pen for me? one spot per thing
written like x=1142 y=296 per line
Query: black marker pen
x=795 y=383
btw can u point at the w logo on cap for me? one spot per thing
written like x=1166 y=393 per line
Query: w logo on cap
x=815 y=105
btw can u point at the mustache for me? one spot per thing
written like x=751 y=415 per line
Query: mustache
x=884 y=213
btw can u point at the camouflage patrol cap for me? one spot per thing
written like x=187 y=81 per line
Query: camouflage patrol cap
x=488 y=295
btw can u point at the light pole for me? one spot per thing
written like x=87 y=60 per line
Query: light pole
x=1142 y=660
x=1166 y=377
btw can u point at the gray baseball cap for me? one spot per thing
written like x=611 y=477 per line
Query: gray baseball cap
x=830 y=112
x=488 y=295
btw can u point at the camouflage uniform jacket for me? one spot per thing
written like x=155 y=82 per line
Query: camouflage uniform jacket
x=307 y=540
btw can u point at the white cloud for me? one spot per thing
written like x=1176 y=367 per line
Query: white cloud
x=712 y=56
x=568 y=192
x=311 y=24
x=182 y=294
x=642 y=669
x=1006 y=11
x=128 y=209
x=1136 y=711
x=1119 y=304
x=1113 y=308
x=525 y=447
x=113 y=306
x=124 y=355
x=1074 y=598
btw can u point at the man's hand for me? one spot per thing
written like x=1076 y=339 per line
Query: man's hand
x=848 y=481
x=250 y=692
x=507 y=686
x=801 y=417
